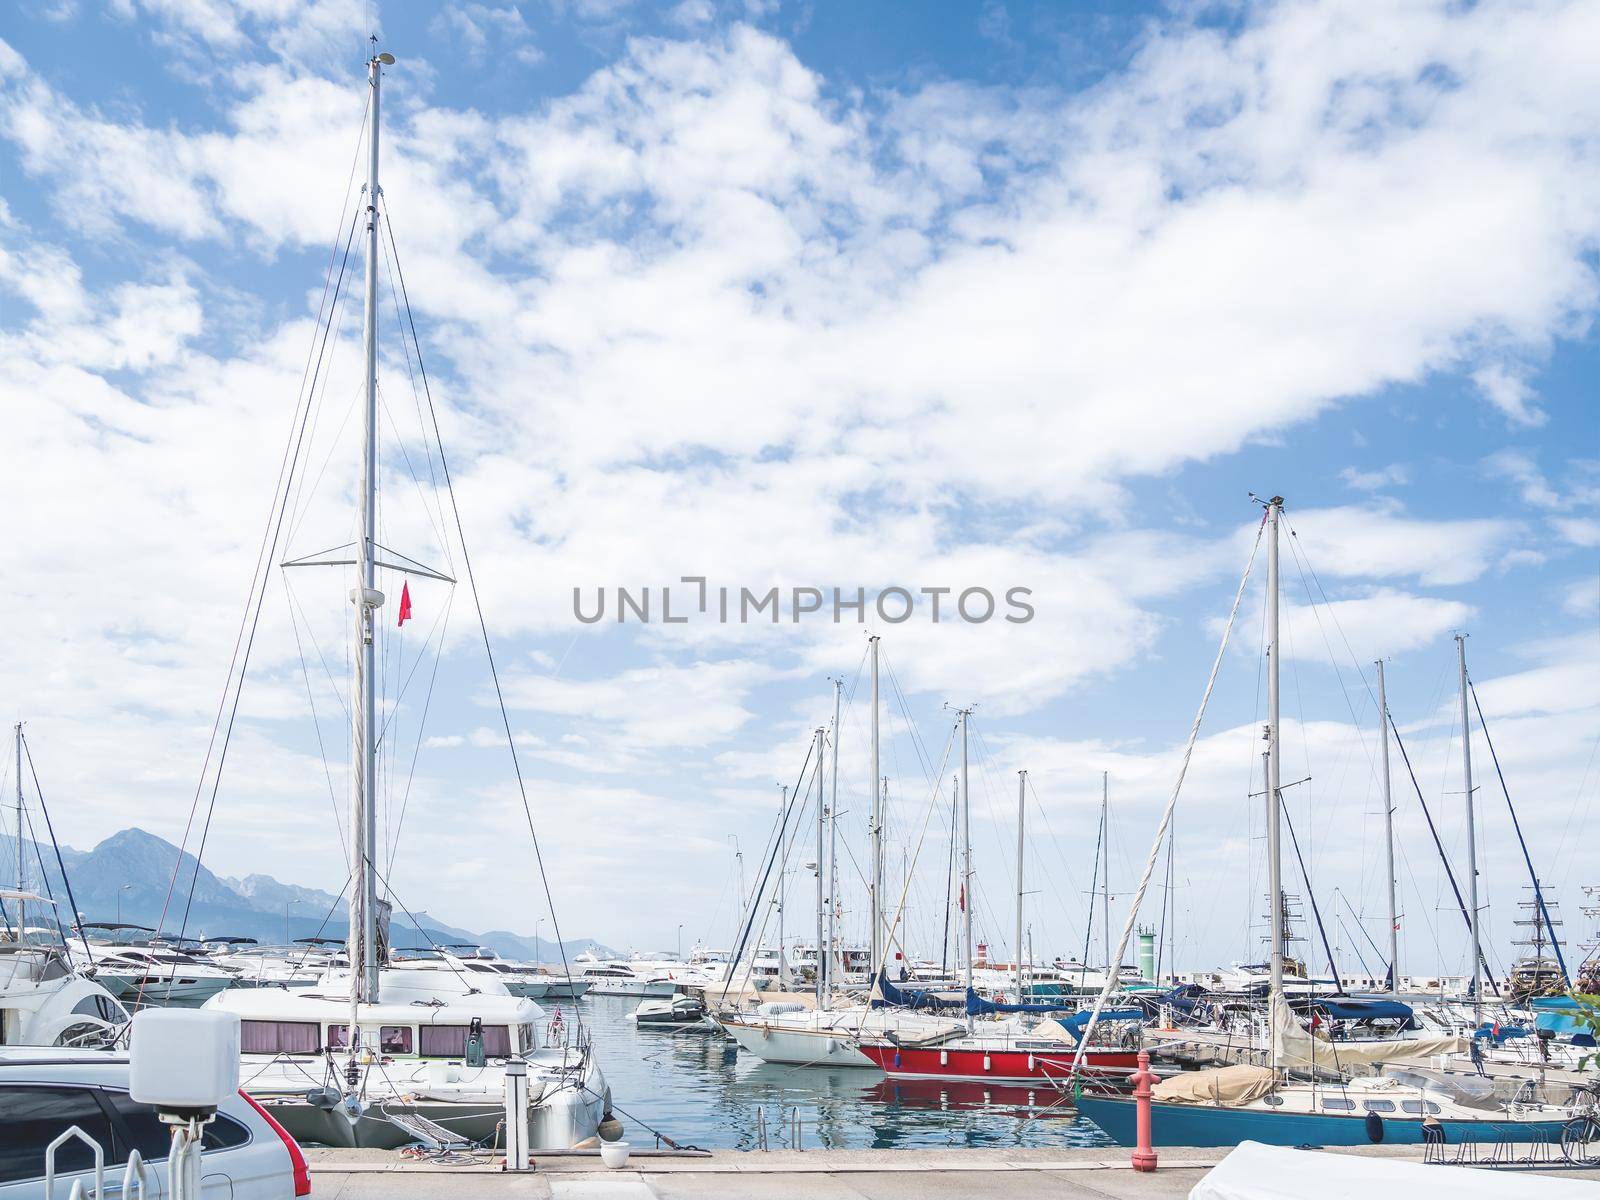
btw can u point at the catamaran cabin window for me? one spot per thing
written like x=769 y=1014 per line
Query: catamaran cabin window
x=337 y=1037
x=450 y=1041
x=278 y=1037
x=394 y=1039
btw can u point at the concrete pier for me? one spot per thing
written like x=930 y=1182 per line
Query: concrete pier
x=792 y=1175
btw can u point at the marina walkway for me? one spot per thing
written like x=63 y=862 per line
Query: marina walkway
x=790 y=1175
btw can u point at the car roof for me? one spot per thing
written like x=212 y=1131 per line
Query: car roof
x=63 y=1068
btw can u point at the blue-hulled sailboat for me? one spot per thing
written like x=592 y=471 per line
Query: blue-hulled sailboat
x=1403 y=1104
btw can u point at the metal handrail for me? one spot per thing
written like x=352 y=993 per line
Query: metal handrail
x=77 y=1185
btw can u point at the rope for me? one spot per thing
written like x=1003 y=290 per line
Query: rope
x=1439 y=846
x=1538 y=892
x=477 y=603
x=1172 y=803
x=268 y=549
x=56 y=846
x=280 y=498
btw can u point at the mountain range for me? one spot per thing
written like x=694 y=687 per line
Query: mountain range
x=126 y=879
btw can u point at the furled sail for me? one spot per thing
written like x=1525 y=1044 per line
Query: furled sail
x=1297 y=1049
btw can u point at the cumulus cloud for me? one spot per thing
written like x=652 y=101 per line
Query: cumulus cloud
x=710 y=312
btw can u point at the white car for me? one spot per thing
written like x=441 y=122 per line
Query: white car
x=246 y=1156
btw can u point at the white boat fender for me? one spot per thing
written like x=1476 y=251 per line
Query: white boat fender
x=985 y=1062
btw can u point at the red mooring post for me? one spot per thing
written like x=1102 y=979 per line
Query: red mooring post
x=1144 y=1155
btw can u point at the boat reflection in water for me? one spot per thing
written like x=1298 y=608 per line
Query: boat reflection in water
x=983 y=1113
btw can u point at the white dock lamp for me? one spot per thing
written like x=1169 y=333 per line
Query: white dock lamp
x=184 y=1063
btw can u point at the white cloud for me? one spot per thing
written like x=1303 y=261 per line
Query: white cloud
x=1578 y=531
x=1510 y=393
x=1374 y=543
x=481 y=28
x=714 y=313
x=1394 y=475
x=1379 y=625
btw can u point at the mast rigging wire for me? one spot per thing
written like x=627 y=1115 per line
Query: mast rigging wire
x=477 y=601
x=258 y=591
x=66 y=880
x=1172 y=803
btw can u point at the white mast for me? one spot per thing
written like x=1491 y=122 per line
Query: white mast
x=966 y=856
x=22 y=906
x=876 y=948
x=822 y=822
x=1274 y=863
x=1022 y=792
x=833 y=839
x=367 y=599
x=1105 y=866
x=1472 y=838
x=783 y=863
x=1388 y=833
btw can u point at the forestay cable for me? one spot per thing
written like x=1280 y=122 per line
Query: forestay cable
x=1166 y=817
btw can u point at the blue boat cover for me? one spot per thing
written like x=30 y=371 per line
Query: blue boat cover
x=890 y=996
x=1499 y=1033
x=1353 y=1008
x=978 y=1006
x=1079 y=1021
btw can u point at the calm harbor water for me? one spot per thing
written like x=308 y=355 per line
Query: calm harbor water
x=697 y=1087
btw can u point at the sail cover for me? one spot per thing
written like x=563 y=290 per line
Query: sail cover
x=1222 y=1085
x=1294 y=1047
x=890 y=996
x=978 y=1006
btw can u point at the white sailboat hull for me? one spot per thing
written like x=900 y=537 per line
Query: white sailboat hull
x=797 y=1048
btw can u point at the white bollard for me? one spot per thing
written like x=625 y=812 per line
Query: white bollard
x=516 y=1115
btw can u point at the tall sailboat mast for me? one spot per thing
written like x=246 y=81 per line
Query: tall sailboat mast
x=822 y=825
x=783 y=866
x=1105 y=860
x=22 y=905
x=1273 y=738
x=1472 y=838
x=966 y=857
x=876 y=948
x=1022 y=809
x=1388 y=832
x=367 y=599
x=833 y=839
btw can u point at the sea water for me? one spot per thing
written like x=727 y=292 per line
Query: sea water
x=699 y=1088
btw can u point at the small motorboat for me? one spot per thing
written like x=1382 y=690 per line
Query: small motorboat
x=670 y=1011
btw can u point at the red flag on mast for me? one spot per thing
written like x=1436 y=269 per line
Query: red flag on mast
x=405 y=603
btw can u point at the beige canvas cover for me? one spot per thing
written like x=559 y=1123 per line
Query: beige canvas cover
x=1301 y=1050
x=1051 y=1030
x=1223 y=1085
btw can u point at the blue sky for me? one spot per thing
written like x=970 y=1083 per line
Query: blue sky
x=789 y=295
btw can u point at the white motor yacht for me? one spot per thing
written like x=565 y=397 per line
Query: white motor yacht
x=160 y=975
x=45 y=1002
x=617 y=977
x=517 y=980
x=433 y=1046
